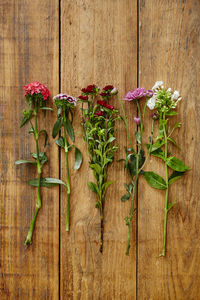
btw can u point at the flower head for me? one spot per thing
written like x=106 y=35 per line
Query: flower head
x=149 y=93
x=158 y=85
x=114 y=91
x=90 y=89
x=103 y=103
x=151 y=102
x=68 y=98
x=137 y=120
x=81 y=97
x=135 y=94
x=36 y=87
x=108 y=88
x=154 y=116
x=99 y=113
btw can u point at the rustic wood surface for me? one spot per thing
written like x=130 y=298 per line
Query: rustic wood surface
x=68 y=45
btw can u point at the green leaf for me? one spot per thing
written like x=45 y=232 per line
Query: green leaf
x=42 y=157
x=170 y=205
x=129 y=187
x=171 y=113
x=97 y=168
x=46 y=108
x=23 y=161
x=125 y=197
x=155 y=180
x=98 y=152
x=27 y=114
x=60 y=142
x=158 y=153
x=177 y=125
x=157 y=145
x=106 y=185
x=175 y=176
x=176 y=164
x=110 y=140
x=131 y=164
x=45 y=136
x=93 y=187
x=46 y=182
x=57 y=127
x=173 y=142
x=137 y=137
x=70 y=129
x=78 y=159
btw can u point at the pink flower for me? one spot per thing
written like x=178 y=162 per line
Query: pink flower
x=67 y=97
x=135 y=94
x=137 y=120
x=36 y=87
x=149 y=93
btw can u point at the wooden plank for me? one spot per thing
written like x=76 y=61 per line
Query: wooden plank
x=29 y=51
x=98 y=45
x=169 y=51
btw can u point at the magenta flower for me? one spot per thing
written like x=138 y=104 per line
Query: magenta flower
x=149 y=93
x=137 y=120
x=135 y=94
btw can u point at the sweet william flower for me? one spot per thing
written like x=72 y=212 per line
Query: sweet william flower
x=137 y=120
x=108 y=88
x=114 y=91
x=158 y=85
x=70 y=99
x=135 y=94
x=36 y=87
x=81 y=97
x=99 y=113
x=103 y=103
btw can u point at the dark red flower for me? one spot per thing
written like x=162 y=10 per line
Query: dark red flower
x=103 y=103
x=99 y=113
x=103 y=94
x=108 y=87
x=89 y=89
x=83 y=97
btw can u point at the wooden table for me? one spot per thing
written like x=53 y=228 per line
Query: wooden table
x=67 y=45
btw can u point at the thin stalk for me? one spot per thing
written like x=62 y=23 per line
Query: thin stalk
x=167 y=192
x=126 y=125
x=67 y=173
x=39 y=170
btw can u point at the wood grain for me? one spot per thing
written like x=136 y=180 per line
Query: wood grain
x=29 y=51
x=169 y=51
x=98 y=45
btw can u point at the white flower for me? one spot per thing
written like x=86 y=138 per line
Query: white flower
x=157 y=85
x=151 y=103
x=114 y=91
x=175 y=95
x=169 y=90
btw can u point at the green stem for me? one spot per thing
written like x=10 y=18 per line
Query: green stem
x=125 y=123
x=167 y=193
x=67 y=171
x=39 y=170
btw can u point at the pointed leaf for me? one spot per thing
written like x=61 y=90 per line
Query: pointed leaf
x=27 y=114
x=175 y=176
x=173 y=142
x=176 y=164
x=57 y=127
x=157 y=145
x=171 y=113
x=78 y=159
x=106 y=185
x=70 y=129
x=60 y=142
x=170 y=205
x=125 y=197
x=45 y=136
x=93 y=187
x=155 y=180
x=47 y=108
x=24 y=161
x=46 y=182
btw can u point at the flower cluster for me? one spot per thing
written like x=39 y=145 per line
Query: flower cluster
x=36 y=87
x=163 y=99
x=138 y=94
x=104 y=104
x=65 y=98
x=90 y=89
